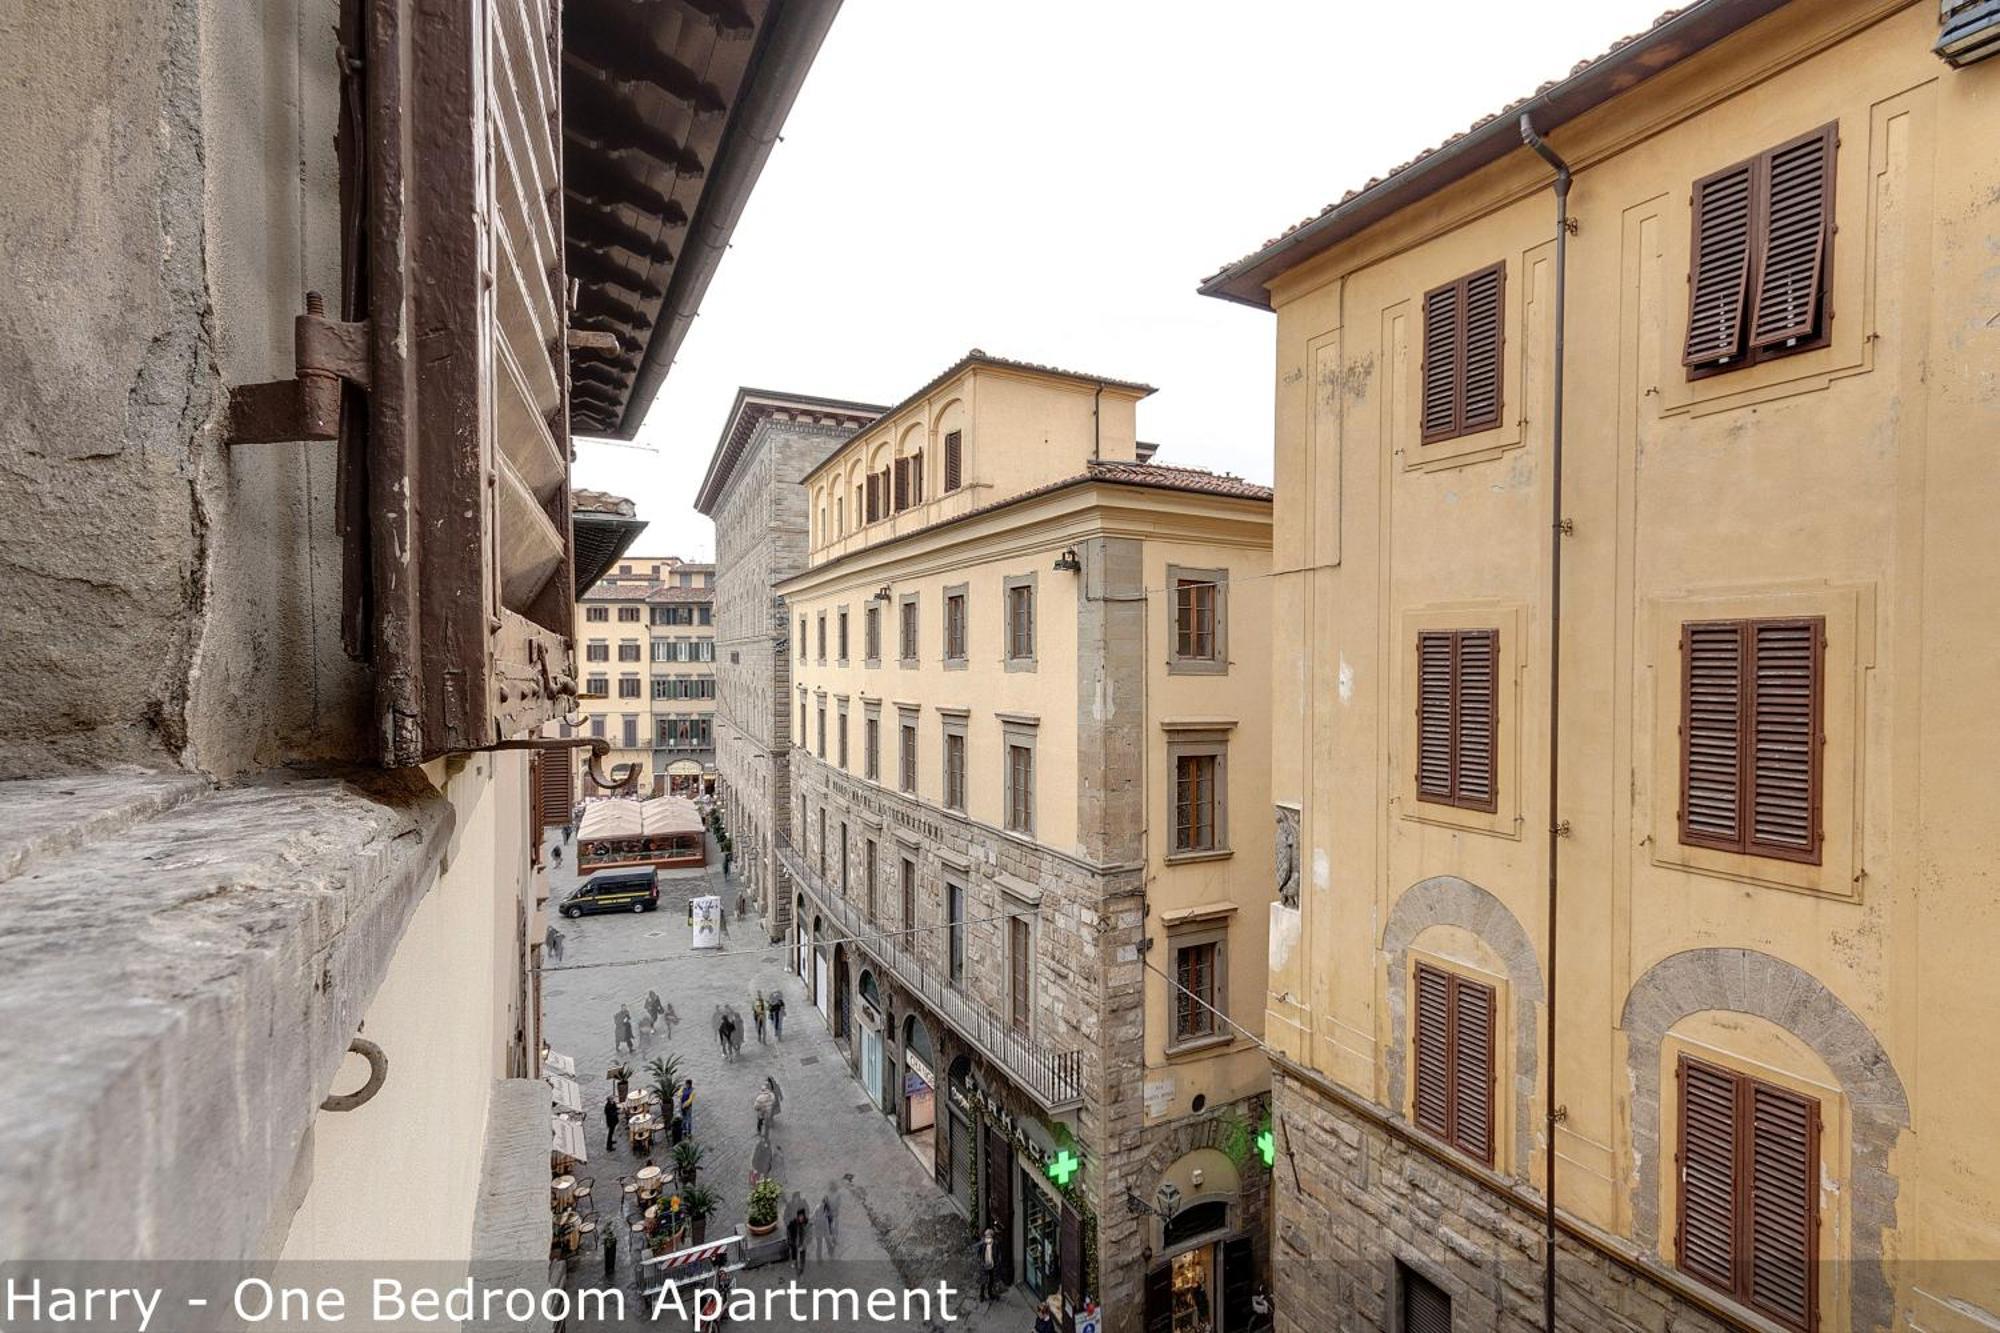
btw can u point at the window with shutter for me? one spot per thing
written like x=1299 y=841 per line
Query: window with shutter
x=465 y=469
x=1751 y=739
x=1748 y=1221
x=902 y=484
x=1458 y=718
x=1758 y=260
x=1426 y=1308
x=954 y=460
x=1452 y=1058
x=1461 y=375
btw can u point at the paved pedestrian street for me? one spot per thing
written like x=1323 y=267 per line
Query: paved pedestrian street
x=894 y=1229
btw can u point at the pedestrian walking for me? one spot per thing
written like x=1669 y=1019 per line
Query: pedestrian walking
x=727 y=858
x=828 y=1215
x=715 y=1018
x=621 y=1031
x=555 y=854
x=778 y=1014
x=1045 y=1316
x=777 y=1095
x=758 y=1013
x=653 y=1005
x=796 y=1232
x=763 y=1158
x=610 y=1121
x=736 y=1026
x=728 y=1033
x=763 y=1103
x=568 y=832
x=687 y=1107
x=670 y=1018
x=988 y=1251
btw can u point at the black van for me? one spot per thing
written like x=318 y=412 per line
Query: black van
x=615 y=891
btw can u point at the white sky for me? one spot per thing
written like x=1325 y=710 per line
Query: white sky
x=1048 y=180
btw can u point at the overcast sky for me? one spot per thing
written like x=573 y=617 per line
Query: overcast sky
x=1048 y=180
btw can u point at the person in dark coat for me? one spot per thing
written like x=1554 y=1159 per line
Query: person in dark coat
x=988 y=1251
x=1045 y=1316
x=796 y=1232
x=778 y=1015
x=610 y=1121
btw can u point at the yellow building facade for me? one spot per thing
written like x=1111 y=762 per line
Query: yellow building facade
x=1774 y=743
x=646 y=648
x=1030 y=820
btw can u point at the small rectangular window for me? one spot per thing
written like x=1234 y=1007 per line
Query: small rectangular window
x=1020 y=789
x=596 y=687
x=871 y=620
x=872 y=747
x=1195 y=803
x=1197 y=997
x=954 y=460
x=954 y=770
x=629 y=687
x=821 y=747
x=629 y=652
x=1019 y=631
x=1425 y=1306
x=1751 y=736
x=1020 y=972
x=802 y=638
x=1194 y=619
x=629 y=614
x=954 y=896
x=820 y=624
x=908 y=886
x=1454 y=1044
x=909 y=756
x=597 y=650
x=1458 y=717
x=843 y=636
x=954 y=627
x=1461 y=373
x=840 y=727
x=907 y=648
x=597 y=614
x=868 y=874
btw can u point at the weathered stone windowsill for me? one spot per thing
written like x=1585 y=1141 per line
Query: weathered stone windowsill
x=186 y=964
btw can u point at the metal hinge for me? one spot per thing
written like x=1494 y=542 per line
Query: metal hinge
x=1561 y=829
x=329 y=353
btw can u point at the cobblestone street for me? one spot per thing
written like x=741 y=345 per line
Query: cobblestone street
x=894 y=1228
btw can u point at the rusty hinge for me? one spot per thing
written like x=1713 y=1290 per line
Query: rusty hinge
x=307 y=406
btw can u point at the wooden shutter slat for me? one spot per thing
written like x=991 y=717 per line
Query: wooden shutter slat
x=1432 y=1041
x=1719 y=266
x=1472 y=1068
x=1480 y=385
x=1475 y=697
x=1793 y=240
x=1426 y=1309
x=1707 y=1230
x=1434 y=691
x=1782 y=1220
x=954 y=460
x=1784 y=737
x=1712 y=732
x=1439 y=413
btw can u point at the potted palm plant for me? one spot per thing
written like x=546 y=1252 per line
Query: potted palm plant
x=765 y=1197
x=687 y=1162
x=621 y=1078
x=666 y=1072
x=699 y=1203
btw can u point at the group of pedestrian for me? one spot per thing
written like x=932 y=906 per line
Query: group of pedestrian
x=806 y=1231
x=654 y=1014
x=680 y=1115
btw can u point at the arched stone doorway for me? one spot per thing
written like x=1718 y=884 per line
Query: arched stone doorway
x=821 y=982
x=1204 y=1262
x=800 y=944
x=872 y=1063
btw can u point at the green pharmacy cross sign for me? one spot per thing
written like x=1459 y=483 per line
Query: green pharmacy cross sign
x=1062 y=1167
x=1267 y=1146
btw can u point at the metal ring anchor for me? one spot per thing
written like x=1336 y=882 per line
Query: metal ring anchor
x=378 y=1074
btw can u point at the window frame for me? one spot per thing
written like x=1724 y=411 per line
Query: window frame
x=1462 y=423
x=955 y=904
x=956 y=615
x=1217 y=662
x=840 y=730
x=1011 y=586
x=1456 y=798
x=1213 y=935
x=871 y=741
x=909 y=629
x=840 y=635
x=871 y=634
x=1205 y=741
x=1449 y=1133
x=1018 y=735
x=1021 y=973
x=908 y=769
x=953 y=726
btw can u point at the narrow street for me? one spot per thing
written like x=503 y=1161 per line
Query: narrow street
x=894 y=1229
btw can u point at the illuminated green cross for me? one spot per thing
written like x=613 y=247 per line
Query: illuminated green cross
x=1062 y=1166
x=1267 y=1146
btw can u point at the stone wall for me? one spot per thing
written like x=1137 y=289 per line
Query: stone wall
x=1353 y=1202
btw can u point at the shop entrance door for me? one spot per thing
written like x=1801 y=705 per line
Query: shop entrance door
x=871 y=1063
x=1000 y=1199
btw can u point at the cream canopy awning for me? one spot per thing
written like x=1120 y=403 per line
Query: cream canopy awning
x=635 y=819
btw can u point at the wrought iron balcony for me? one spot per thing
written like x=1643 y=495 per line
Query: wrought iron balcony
x=1053 y=1078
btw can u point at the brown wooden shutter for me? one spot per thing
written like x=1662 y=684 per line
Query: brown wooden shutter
x=1707 y=1229
x=470 y=563
x=1719 y=266
x=1713 y=654
x=1784 y=765
x=1432 y=1055
x=916 y=479
x=1069 y=1263
x=902 y=484
x=1782 y=1223
x=1472 y=1068
x=1796 y=227
x=954 y=460
x=1442 y=338
x=1479 y=370
x=1475 y=721
x=1434 y=691
x=555 y=787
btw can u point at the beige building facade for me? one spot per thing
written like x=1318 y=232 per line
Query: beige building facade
x=646 y=637
x=1766 y=863
x=1030 y=863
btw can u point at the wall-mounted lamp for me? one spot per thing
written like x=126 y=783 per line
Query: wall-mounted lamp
x=1068 y=561
x=882 y=593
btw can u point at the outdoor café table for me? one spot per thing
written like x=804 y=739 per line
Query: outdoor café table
x=563 y=1187
x=649 y=1181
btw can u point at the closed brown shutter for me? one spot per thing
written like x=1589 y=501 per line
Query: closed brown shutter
x=1719 y=266
x=1440 y=370
x=1751 y=742
x=555 y=787
x=1434 y=690
x=1797 y=225
x=868 y=492
x=1462 y=355
x=916 y=479
x=902 y=484
x=1707 y=1243
x=1784 y=738
x=1069 y=1263
x=954 y=460
x=1472 y=1068
x=1749 y=1191
x=1782 y=1228
x=1712 y=660
x=1458 y=717
x=1432 y=1060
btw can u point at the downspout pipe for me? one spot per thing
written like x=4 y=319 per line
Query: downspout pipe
x=1552 y=1109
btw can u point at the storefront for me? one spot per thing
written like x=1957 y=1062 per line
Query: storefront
x=822 y=981
x=955 y=1164
x=684 y=778
x=1204 y=1266
x=920 y=1131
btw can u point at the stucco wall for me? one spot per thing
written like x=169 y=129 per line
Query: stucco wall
x=170 y=197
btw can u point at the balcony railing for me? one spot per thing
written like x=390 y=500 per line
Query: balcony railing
x=1054 y=1078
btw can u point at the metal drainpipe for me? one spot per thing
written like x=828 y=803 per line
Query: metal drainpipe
x=1553 y=1110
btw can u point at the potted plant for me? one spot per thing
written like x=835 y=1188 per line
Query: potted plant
x=666 y=1072
x=765 y=1196
x=699 y=1203
x=687 y=1162
x=621 y=1078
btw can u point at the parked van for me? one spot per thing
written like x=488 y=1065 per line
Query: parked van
x=615 y=891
